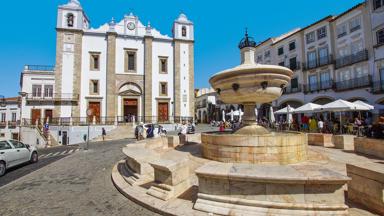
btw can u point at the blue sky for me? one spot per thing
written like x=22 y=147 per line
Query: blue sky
x=28 y=28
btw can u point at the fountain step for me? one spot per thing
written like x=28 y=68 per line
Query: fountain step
x=280 y=189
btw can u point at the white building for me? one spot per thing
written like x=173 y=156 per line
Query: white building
x=10 y=118
x=116 y=72
x=337 y=57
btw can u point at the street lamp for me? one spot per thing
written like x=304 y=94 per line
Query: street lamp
x=89 y=113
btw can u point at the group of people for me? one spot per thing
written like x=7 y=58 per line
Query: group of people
x=148 y=131
x=233 y=125
x=318 y=124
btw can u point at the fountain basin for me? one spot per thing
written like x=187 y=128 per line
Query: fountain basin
x=272 y=148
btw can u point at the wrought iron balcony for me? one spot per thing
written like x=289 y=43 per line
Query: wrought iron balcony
x=313 y=87
x=3 y=124
x=39 y=68
x=360 y=82
x=351 y=59
x=292 y=90
x=318 y=62
x=53 y=97
x=13 y=124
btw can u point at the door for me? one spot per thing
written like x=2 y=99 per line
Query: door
x=48 y=115
x=64 y=138
x=9 y=153
x=22 y=153
x=15 y=136
x=163 y=112
x=35 y=116
x=95 y=110
x=130 y=109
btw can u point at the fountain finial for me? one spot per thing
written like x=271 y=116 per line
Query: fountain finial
x=247 y=41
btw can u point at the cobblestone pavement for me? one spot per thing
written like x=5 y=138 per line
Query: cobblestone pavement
x=79 y=184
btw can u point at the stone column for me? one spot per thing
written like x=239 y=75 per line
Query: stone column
x=191 y=74
x=177 y=85
x=58 y=69
x=249 y=117
x=148 y=77
x=110 y=98
x=77 y=72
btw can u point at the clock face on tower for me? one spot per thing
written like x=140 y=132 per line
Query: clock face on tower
x=131 y=26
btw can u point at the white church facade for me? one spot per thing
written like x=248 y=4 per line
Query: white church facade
x=120 y=71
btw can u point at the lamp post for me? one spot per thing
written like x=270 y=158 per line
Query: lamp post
x=89 y=113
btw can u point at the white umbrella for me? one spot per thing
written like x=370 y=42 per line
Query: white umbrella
x=285 y=110
x=223 y=116
x=341 y=106
x=307 y=108
x=361 y=103
x=271 y=115
x=256 y=113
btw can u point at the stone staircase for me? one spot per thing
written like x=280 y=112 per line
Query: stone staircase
x=121 y=132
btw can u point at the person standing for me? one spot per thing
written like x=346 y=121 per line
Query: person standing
x=182 y=132
x=103 y=133
x=320 y=125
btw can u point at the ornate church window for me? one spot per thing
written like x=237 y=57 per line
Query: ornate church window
x=184 y=31
x=70 y=20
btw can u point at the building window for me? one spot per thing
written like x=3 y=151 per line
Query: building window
x=163 y=89
x=312 y=82
x=323 y=56
x=95 y=61
x=280 y=51
x=267 y=54
x=292 y=63
x=345 y=75
x=3 y=117
x=184 y=31
x=292 y=46
x=94 y=87
x=321 y=33
x=377 y=4
x=355 y=24
x=163 y=64
x=380 y=37
x=36 y=90
x=130 y=61
x=325 y=80
x=294 y=83
x=259 y=58
x=341 y=30
x=70 y=20
x=310 y=37
x=356 y=47
x=281 y=64
x=48 y=91
x=311 y=59
x=6 y=145
x=13 y=117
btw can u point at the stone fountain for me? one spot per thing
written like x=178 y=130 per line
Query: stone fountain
x=250 y=84
x=255 y=171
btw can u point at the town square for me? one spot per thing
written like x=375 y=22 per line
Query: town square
x=193 y=108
